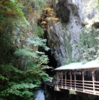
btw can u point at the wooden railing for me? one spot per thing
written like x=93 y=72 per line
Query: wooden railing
x=80 y=86
x=62 y=80
x=85 y=86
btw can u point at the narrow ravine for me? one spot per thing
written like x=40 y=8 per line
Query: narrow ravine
x=38 y=36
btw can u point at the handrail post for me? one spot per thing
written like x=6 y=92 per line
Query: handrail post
x=75 y=79
x=57 y=79
x=93 y=79
x=62 y=79
x=83 y=81
x=65 y=80
x=71 y=79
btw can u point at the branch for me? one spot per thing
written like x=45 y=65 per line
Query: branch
x=8 y=15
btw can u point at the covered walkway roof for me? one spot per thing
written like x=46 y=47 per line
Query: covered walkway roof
x=79 y=65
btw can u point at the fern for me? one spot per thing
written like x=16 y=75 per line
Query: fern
x=38 y=42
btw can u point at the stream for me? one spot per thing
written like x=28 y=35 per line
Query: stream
x=40 y=95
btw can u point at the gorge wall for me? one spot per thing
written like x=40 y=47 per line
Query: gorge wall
x=63 y=35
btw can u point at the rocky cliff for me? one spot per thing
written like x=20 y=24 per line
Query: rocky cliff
x=63 y=35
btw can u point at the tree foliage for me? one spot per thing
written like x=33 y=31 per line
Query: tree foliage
x=22 y=66
x=88 y=44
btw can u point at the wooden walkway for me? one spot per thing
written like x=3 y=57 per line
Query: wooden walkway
x=80 y=80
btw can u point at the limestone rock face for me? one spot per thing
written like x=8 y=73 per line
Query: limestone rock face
x=63 y=35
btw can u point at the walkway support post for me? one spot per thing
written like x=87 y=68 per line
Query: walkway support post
x=93 y=79
x=57 y=79
x=62 y=79
x=65 y=80
x=83 y=80
x=75 y=79
x=71 y=79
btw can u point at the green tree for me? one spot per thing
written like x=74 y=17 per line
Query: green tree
x=22 y=66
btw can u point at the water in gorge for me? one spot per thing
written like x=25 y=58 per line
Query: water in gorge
x=40 y=95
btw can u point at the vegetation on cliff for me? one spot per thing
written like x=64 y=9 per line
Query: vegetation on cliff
x=22 y=66
x=88 y=44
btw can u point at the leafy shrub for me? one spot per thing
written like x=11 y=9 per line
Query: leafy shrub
x=17 y=83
